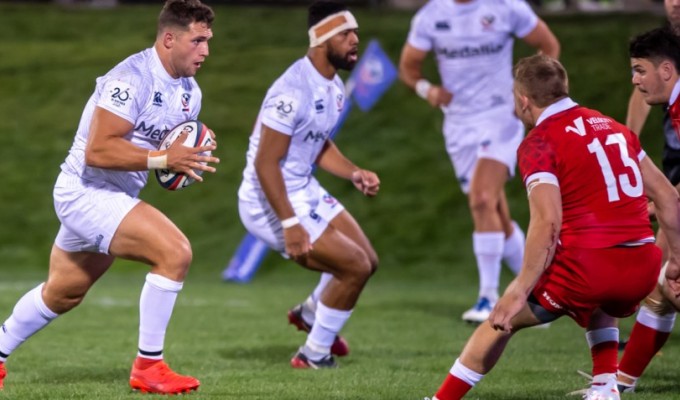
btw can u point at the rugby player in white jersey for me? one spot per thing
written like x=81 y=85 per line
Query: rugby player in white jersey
x=472 y=42
x=95 y=196
x=280 y=201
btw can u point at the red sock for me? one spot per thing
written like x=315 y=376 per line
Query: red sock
x=642 y=346
x=144 y=363
x=605 y=357
x=453 y=388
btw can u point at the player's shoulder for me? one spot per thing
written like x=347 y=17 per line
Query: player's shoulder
x=295 y=80
x=134 y=70
x=431 y=9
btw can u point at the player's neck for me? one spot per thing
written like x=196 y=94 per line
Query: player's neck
x=165 y=60
x=321 y=63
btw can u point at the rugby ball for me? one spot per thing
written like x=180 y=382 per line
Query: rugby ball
x=198 y=135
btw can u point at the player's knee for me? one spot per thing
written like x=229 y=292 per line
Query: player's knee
x=482 y=201
x=176 y=258
x=373 y=262
x=63 y=303
x=362 y=268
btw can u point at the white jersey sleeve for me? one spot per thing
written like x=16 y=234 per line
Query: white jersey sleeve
x=523 y=19
x=121 y=96
x=281 y=110
x=418 y=36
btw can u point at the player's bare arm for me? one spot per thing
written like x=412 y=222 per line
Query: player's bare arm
x=272 y=149
x=545 y=205
x=544 y=40
x=638 y=110
x=108 y=148
x=410 y=72
x=666 y=203
x=333 y=161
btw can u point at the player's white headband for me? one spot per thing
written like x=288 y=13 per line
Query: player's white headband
x=331 y=26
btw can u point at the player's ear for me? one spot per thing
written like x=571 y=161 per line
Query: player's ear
x=667 y=70
x=523 y=102
x=168 y=38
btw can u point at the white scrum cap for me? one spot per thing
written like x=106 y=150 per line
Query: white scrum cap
x=331 y=26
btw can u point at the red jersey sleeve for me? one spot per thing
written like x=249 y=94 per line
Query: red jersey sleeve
x=535 y=154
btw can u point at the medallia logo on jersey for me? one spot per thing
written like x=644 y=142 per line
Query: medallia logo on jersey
x=315 y=136
x=158 y=99
x=340 y=102
x=151 y=132
x=468 y=52
x=487 y=22
x=185 y=102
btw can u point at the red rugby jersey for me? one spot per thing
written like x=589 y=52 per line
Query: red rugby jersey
x=596 y=162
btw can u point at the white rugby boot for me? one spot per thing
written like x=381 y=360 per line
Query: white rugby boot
x=479 y=312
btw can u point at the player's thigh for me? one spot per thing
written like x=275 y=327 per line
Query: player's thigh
x=528 y=317
x=147 y=235
x=338 y=254
x=71 y=275
x=345 y=223
x=489 y=176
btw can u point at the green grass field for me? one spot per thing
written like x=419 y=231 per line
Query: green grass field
x=406 y=331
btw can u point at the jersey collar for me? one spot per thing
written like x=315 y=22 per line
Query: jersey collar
x=556 y=107
x=162 y=72
x=315 y=74
x=675 y=93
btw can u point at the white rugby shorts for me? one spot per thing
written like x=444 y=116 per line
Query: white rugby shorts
x=495 y=134
x=312 y=204
x=90 y=213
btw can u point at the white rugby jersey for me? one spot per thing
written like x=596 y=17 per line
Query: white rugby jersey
x=305 y=105
x=472 y=43
x=140 y=90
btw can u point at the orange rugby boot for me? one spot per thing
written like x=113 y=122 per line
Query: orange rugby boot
x=3 y=374
x=159 y=378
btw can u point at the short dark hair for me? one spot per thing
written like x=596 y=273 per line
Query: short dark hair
x=657 y=45
x=181 y=13
x=321 y=9
x=542 y=79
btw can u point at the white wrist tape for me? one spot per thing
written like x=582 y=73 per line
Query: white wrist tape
x=157 y=160
x=423 y=88
x=290 y=222
x=331 y=26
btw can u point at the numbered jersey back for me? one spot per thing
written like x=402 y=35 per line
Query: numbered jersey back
x=596 y=162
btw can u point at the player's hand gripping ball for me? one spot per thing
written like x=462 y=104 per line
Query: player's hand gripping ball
x=198 y=136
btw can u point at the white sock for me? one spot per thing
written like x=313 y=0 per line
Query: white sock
x=323 y=281
x=661 y=323
x=29 y=316
x=309 y=306
x=328 y=324
x=602 y=335
x=155 y=308
x=513 y=249
x=465 y=374
x=488 y=249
